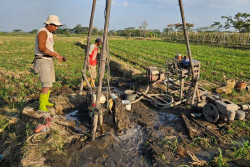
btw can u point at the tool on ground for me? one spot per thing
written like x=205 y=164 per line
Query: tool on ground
x=192 y=129
x=217 y=107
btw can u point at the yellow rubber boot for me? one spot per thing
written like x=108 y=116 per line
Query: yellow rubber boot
x=228 y=88
x=48 y=103
x=92 y=83
x=42 y=102
x=85 y=83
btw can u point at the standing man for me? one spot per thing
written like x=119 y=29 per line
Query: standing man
x=93 y=50
x=43 y=63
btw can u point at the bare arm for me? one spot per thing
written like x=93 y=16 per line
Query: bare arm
x=91 y=48
x=42 y=38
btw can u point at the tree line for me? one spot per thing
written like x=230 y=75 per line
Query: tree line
x=240 y=23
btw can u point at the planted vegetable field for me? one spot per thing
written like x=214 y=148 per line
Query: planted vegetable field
x=215 y=61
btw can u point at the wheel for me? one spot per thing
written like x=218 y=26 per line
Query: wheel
x=141 y=97
x=211 y=112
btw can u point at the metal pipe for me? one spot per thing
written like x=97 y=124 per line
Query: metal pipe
x=186 y=37
x=84 y=77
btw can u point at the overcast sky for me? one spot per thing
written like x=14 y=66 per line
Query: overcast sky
x=31 y=14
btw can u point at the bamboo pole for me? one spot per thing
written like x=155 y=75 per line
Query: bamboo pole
x=84 y=77
x=194 y=82
x=102 y=68
x=186 y=36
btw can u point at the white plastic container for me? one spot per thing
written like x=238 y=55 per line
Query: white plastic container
x=128 y=107
x=102 y=98
x=127 y=104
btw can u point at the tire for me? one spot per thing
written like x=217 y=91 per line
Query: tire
x=211 y=113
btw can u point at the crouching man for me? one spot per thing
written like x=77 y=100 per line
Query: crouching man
x=43 y=63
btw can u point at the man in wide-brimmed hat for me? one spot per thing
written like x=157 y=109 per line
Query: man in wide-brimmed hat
x=44 y=54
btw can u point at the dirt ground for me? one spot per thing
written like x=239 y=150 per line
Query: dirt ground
x=146 y=136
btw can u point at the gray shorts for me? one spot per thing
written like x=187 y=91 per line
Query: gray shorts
x=45 y=69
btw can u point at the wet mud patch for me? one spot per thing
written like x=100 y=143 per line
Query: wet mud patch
x=113 y=150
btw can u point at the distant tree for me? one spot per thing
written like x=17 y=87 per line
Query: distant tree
x=137 y=33
x=140 y=29
x=63 y=26
x=205 y=29
x=63 y=30
x=144 y=27
x=18 y=31
x=179 y=26
x=217 y=25
x=101 y=32
x=78 y=29
x=85 y=30
x=129 y=31
x=170 y=28
x=240 y=22
x=112 y=32
x=33 y=31
x=95 y=31
x=155 y=33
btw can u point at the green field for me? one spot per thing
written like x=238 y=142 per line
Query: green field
x=19 y=84
x=215 y=61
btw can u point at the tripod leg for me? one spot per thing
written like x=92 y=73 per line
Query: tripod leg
x=101 y=121
x=95 y=122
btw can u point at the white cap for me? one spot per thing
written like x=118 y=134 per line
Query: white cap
x=53 y=19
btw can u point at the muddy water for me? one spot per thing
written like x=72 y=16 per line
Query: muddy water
x=167 y=119
x=127 y=148
x=72 y=116
x=113 y=150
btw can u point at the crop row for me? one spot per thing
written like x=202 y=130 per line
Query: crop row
x=216 y=61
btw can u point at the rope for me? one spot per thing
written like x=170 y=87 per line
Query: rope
x=33 y=139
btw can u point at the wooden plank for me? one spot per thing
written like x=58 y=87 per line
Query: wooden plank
x=189 y=93
x=29 y=111
x=195 y=91
x=181 y=87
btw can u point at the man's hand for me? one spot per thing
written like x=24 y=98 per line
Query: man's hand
x=59 y=57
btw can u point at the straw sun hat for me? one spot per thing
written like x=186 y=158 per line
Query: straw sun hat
x=53 y=19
